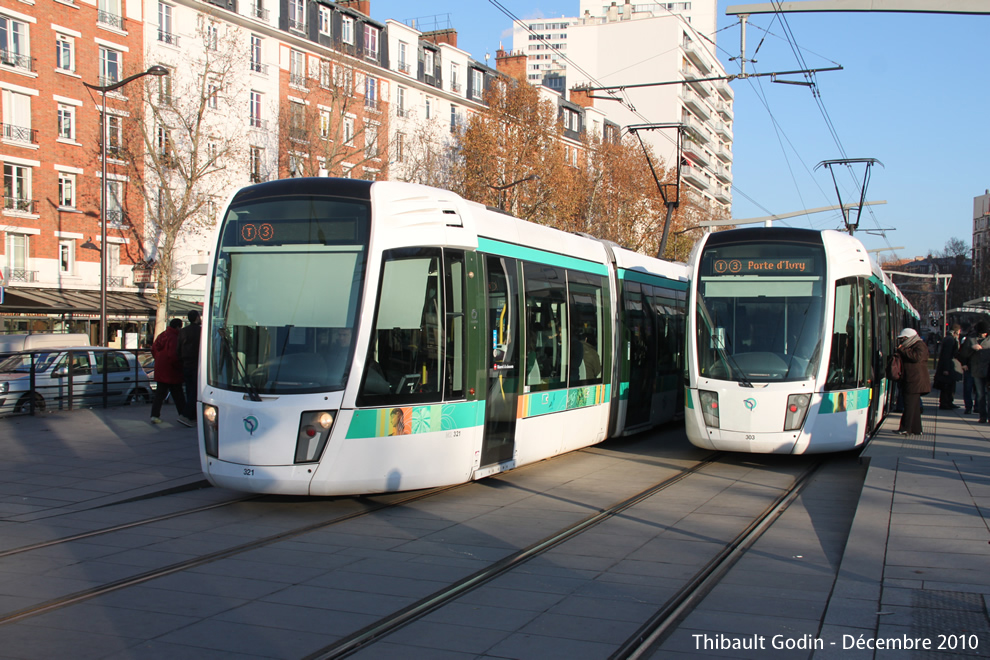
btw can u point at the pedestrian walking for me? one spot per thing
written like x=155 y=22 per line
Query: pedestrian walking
x=189 y=338
x=979 y=362
x=168 y=371
x=915 y=381
x=948 y=369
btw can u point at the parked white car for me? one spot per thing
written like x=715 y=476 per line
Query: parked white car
x=71 y=375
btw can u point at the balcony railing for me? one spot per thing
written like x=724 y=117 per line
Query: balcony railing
x=107 y=18
x=260 y=12
x=405 y=68
x=115 y=280
x=258 y=122
x=20 y=133
x=371 y=53
x=298 y=134
x=297 y=79
x=258 y=67
x=297 y=25
x=16 y=60
x=19 y=204
x=168 y=38
x=115 y=219
x=400 y=112
x=20 y=275
x=455 y=87
x=372 y=104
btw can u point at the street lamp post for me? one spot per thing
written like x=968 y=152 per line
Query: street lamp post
x=156 y=70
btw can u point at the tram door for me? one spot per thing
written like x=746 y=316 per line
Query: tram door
x=502 y=344
x=875 y=373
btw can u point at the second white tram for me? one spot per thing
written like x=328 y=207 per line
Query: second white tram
x=368 y=337
x=789 y=332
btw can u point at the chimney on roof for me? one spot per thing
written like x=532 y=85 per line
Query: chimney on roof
x=445 y=36
x=363 y=6
x=582 y=96
x=511 y=64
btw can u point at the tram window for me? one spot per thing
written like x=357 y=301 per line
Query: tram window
x=845 y=366
x=454 y=297
x=404 y=360
x=546 y=327
x=587 y=337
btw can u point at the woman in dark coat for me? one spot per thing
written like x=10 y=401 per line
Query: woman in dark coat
x=915 y=381
x=946 y=371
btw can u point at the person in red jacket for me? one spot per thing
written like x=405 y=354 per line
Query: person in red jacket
x=168 y=371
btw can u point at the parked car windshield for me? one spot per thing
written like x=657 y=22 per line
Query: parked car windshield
x=21 y=362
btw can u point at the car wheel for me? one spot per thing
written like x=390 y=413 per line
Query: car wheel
x=24 y=405
x=139 y=396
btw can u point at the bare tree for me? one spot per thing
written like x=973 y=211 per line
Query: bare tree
x=185 y=144
x=339 y=124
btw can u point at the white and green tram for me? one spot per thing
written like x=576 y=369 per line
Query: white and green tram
x=365 y=337
x=789 y=335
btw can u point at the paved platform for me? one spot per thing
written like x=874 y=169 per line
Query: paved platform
x=915 y=565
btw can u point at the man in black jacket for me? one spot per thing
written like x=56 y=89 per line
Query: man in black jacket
x=189 y=356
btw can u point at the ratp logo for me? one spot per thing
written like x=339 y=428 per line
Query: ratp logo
x=251 y=424
x=750 y=403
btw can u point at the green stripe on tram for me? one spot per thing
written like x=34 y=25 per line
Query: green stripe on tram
x=411 y=420
x=833 y=402
x=651 y=278
x=503 y=249
x=535 y=404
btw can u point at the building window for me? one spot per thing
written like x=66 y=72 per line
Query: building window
x=256 y=65
x=18 y=249
x=297 y=14
x=65 y=59
x=17 y=117
x=66 y=122
x=325 y=14
x=325 y=124
x=110 y=66
x=349 y=131
x=400 y=102
x=256 y=158
x=14 y=43
x=403 y=57
x=371 y=41
x=165 y=89
x=67 y=190
x=429 y=108
x=255 y=110
x=66 y=257
x=297 y=121
x=455 y=85
x=211 y=36
x=371 y=93
x=400 y=147
x=17 y=189
x=165 y=34
x=428 y=59
x=297 y=68
x=163 y=143
x=347 y=30
x=453 y=118
x=114 y=137
x=213 y=94
x=109 y=13
x=371 y=140
x=115 y=206
x=477 y=83
x=325 y=74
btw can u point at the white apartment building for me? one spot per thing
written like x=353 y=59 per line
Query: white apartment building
x=616 y=44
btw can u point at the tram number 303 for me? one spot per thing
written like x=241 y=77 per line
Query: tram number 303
x=751 y=437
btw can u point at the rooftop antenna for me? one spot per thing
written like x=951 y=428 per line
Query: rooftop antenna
x=847 y=211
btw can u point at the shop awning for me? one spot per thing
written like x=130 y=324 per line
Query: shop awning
x=84 y=303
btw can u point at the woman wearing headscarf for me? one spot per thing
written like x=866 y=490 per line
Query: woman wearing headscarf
x=915 y=381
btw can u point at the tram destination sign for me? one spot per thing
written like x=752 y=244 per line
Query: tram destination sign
x=763 y=266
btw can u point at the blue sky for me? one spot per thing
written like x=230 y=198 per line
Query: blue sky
x=913 y=94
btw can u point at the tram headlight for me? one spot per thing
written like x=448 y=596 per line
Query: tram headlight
x=314 y=431
x=709 y=407
x=797 y=410
x=211 y=435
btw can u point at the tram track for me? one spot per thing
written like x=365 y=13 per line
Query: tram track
x=233 y=551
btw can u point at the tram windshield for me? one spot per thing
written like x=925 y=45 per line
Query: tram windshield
x=760 y=312
x=286 y=294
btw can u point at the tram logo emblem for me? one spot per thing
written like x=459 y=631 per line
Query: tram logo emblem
x=750 y=403
x=723 y=265
x=251 y=424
